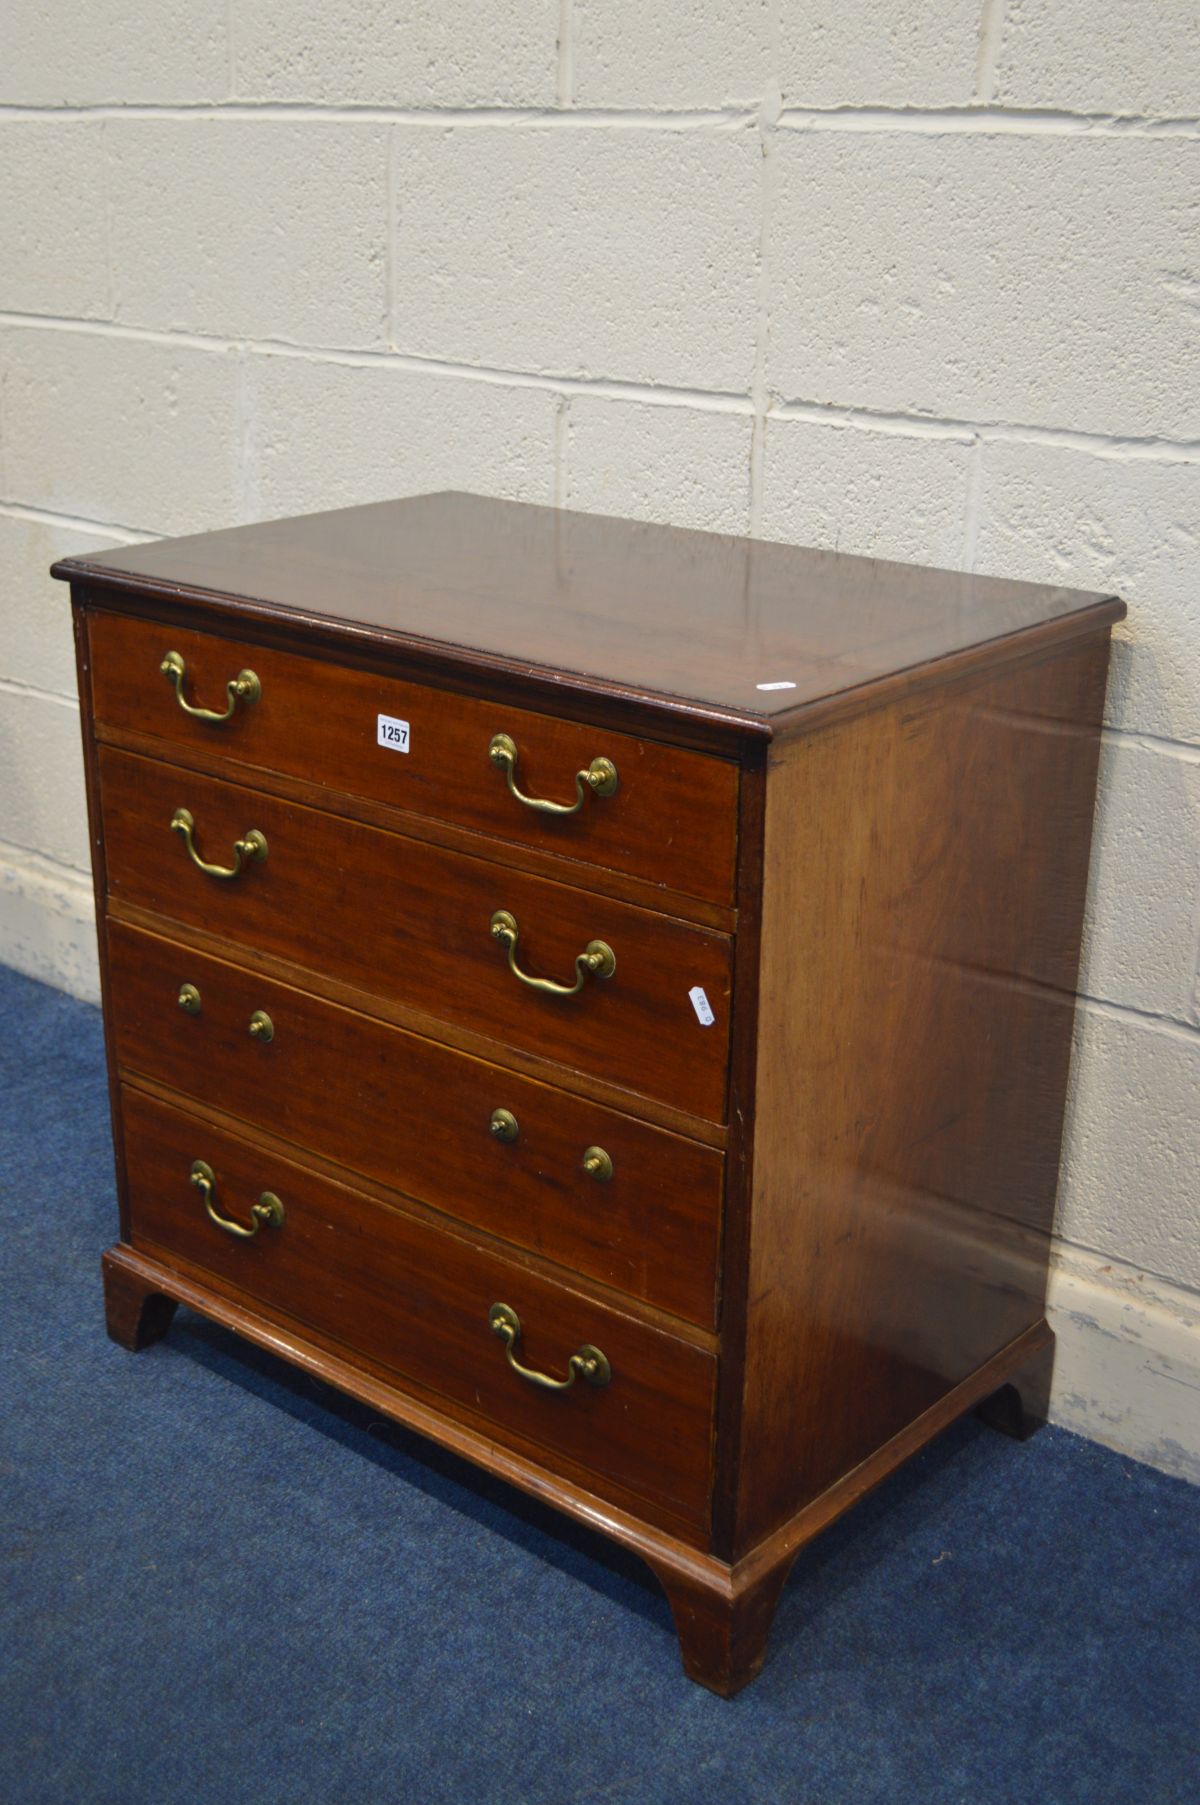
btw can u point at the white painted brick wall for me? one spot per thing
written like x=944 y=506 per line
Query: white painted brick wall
x=167 y=52
x=502 y=234
x=919 y=53
x=250 y=230
x=921 y=281
x=856 y=488
x=1046 y=280
x=53 y=227
x=650 y=462
x=423 y=54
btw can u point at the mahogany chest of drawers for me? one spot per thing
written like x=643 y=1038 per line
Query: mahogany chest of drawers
x=600 y=993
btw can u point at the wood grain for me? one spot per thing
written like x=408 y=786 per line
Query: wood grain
x=694 y=622
x=415 y=1116
x=429 y=941
x=913 y=1050
x=671 y=821
x=416 y=1300
x=878 y=881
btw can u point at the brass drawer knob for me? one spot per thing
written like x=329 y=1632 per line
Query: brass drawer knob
x=244 y=688
x=598 y=1164
x=600 y=778
x=596 y=960
x=189 y=999
x=251 y=848
x=268 y=1211
x=262 y=1028
x=504 y=1125
x=586 y=1363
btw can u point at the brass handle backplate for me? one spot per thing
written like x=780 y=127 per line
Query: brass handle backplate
x=504 y=1125
x=244 y=688
x=268 y=1211
x=189 y=999
x=586 y=1363
x=251 y=848
x=596 y=960
x=598 y=1164
x=600 y=778
x=262 y=1028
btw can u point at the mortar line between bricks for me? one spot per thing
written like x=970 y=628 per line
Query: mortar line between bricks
x=290 y=112
x=973 y=505
x=1117 y=446
x=110 y=274
x=1152 y=446
x=1170 y=1294
x=715 y=400
x=78 y=523
x=37 y=856
x=13 y=686
x=1184 y=751
x=759 y=390
x=967 y=118
x=988 y=121
x=991 y=26
x=46 y=866
x=390 y=233
x=1173 y=1026
x=562 y=435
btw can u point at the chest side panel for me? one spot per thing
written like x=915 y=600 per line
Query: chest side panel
x=925 y=870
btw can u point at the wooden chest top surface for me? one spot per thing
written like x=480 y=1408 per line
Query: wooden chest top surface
x=740 y=630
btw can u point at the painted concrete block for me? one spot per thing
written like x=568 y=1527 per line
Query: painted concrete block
x=1132 y=1145
x=42 y=804
x=1126 y=525
x=330 y=435
x=121 y=431
x=1143 y=913
x=852 y=489
x=1041 y=279
x=686 y=466
x=58 y=52
x=1087 y=56
x=52 y=219
x=676 y=54
x=584 y=252
x=923 y=53
x=36 y=644
x=229 y=227
x=422 y=54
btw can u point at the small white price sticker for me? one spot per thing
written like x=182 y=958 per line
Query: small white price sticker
x=392 y=733
x=702 y=1006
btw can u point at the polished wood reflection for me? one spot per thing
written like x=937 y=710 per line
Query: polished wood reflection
x=704 y=619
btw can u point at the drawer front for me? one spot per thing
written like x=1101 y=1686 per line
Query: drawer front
x=405 y=920
x=417 y=1116
x=416 y=1300
x=671 y=820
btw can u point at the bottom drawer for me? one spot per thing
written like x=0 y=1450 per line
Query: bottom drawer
x=416 y=1299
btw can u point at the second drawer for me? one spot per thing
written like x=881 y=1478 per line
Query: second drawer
x=403 y=920
x=418 y=1116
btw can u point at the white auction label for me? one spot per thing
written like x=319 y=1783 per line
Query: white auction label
x=702 y=1006
x=391 y=732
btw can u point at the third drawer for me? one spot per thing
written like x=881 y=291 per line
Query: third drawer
x=473 y=1139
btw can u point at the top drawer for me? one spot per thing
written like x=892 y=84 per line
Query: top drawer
x=670 y=819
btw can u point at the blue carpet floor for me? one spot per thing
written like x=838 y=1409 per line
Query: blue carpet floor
x=224 y=1584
